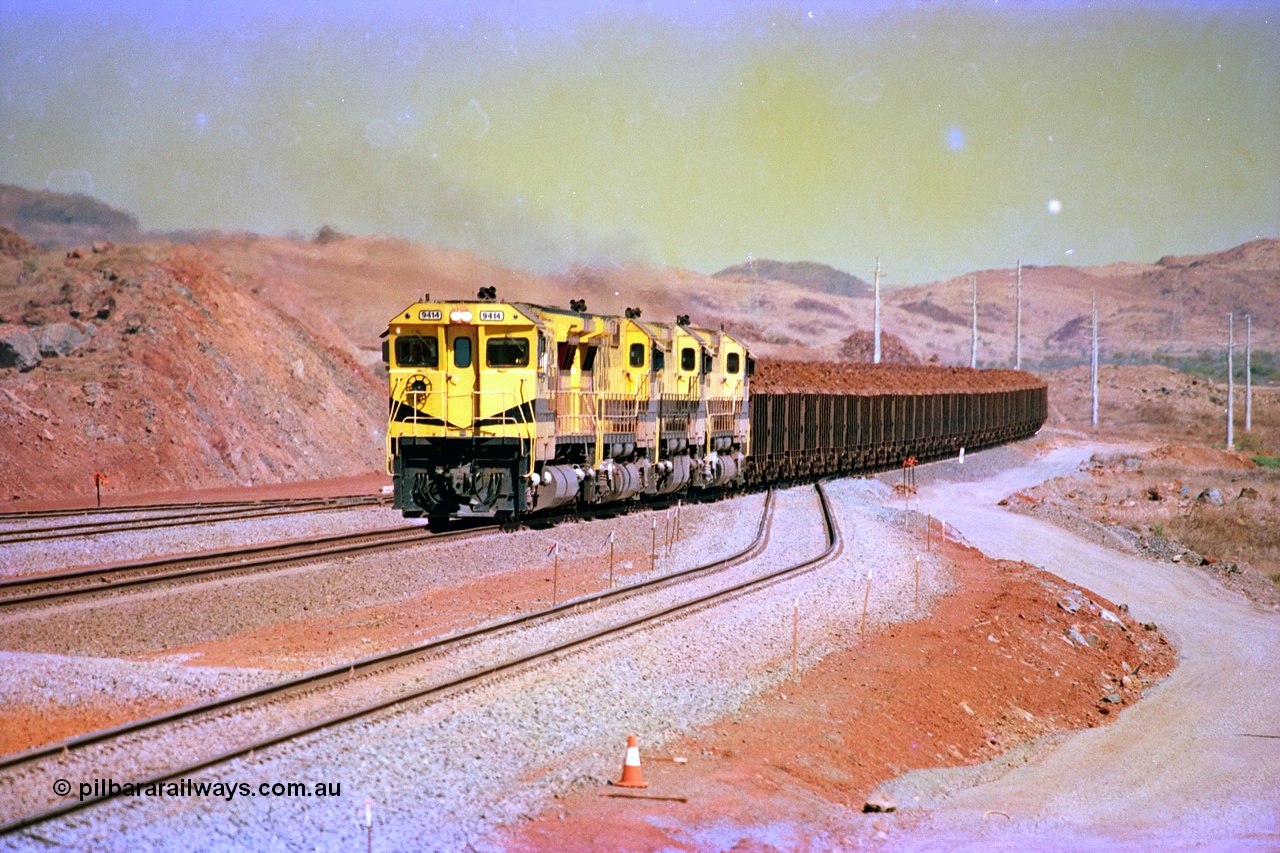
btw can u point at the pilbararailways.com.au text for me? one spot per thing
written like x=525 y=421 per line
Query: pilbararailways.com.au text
x=100 y=788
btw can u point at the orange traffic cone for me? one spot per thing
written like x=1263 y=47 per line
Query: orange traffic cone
x=631 y=775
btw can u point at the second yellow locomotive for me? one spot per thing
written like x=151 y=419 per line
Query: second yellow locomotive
x=502 y=409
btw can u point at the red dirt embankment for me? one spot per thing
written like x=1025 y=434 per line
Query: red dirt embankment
x=808 y=377
x=174 y=376
x=1012 y=653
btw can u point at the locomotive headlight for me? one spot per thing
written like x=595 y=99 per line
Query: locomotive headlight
x=459 y=316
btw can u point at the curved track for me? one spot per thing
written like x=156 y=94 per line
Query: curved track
x=180 y=743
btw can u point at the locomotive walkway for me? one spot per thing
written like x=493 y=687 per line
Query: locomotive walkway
x=1196 y=764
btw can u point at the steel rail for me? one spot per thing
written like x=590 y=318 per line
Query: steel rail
x=30 y=515
x=34 y=514
x=17 y=536
x=30 y=589
x=387 y=660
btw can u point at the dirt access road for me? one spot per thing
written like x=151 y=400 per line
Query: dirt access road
x=1196 y=764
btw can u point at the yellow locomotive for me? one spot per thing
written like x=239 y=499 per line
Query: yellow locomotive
x=502 y=409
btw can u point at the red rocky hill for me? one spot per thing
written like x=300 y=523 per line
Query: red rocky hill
x=157 y=368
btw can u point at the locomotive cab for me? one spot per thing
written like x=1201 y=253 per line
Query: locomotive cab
x=504 y=409
x=461 y=416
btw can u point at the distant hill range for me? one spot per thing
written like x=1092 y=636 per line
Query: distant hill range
x=1174 y=308
x=54 y=220
x=806 y=274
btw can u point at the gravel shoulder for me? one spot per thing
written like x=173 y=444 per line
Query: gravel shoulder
x=987 y=667
x=46 y=698
x=1196 y=764
x=99 y=549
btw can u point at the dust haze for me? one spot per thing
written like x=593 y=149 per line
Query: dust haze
x=941 y=139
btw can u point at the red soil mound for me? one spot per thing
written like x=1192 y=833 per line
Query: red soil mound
x=1202 y=457
x=14 y=245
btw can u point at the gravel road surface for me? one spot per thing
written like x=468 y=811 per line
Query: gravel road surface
x=1195 y=765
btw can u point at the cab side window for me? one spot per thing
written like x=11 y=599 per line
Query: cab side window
x=507 y=352
x=414 y=351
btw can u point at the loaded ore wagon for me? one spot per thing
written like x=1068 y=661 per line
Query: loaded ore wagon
x=816 y=419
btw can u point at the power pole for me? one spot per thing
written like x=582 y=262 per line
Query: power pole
x=1248 y=373
x=876 y=323
x=1093 y=363
x=1231 y=382
x=973 y=351
x=1017 y=335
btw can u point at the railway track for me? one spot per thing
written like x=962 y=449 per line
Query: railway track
x=81 y=582
x=184 y=742
x=9 y=516
x=167 y=518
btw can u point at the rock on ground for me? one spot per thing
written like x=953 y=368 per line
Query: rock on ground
x=18 y=348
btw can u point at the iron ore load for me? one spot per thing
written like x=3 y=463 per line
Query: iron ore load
x=506 y=409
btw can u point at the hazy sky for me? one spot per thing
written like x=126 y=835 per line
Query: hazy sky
x=942 y=137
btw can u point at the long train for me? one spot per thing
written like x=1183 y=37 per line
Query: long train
x=507 y=409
